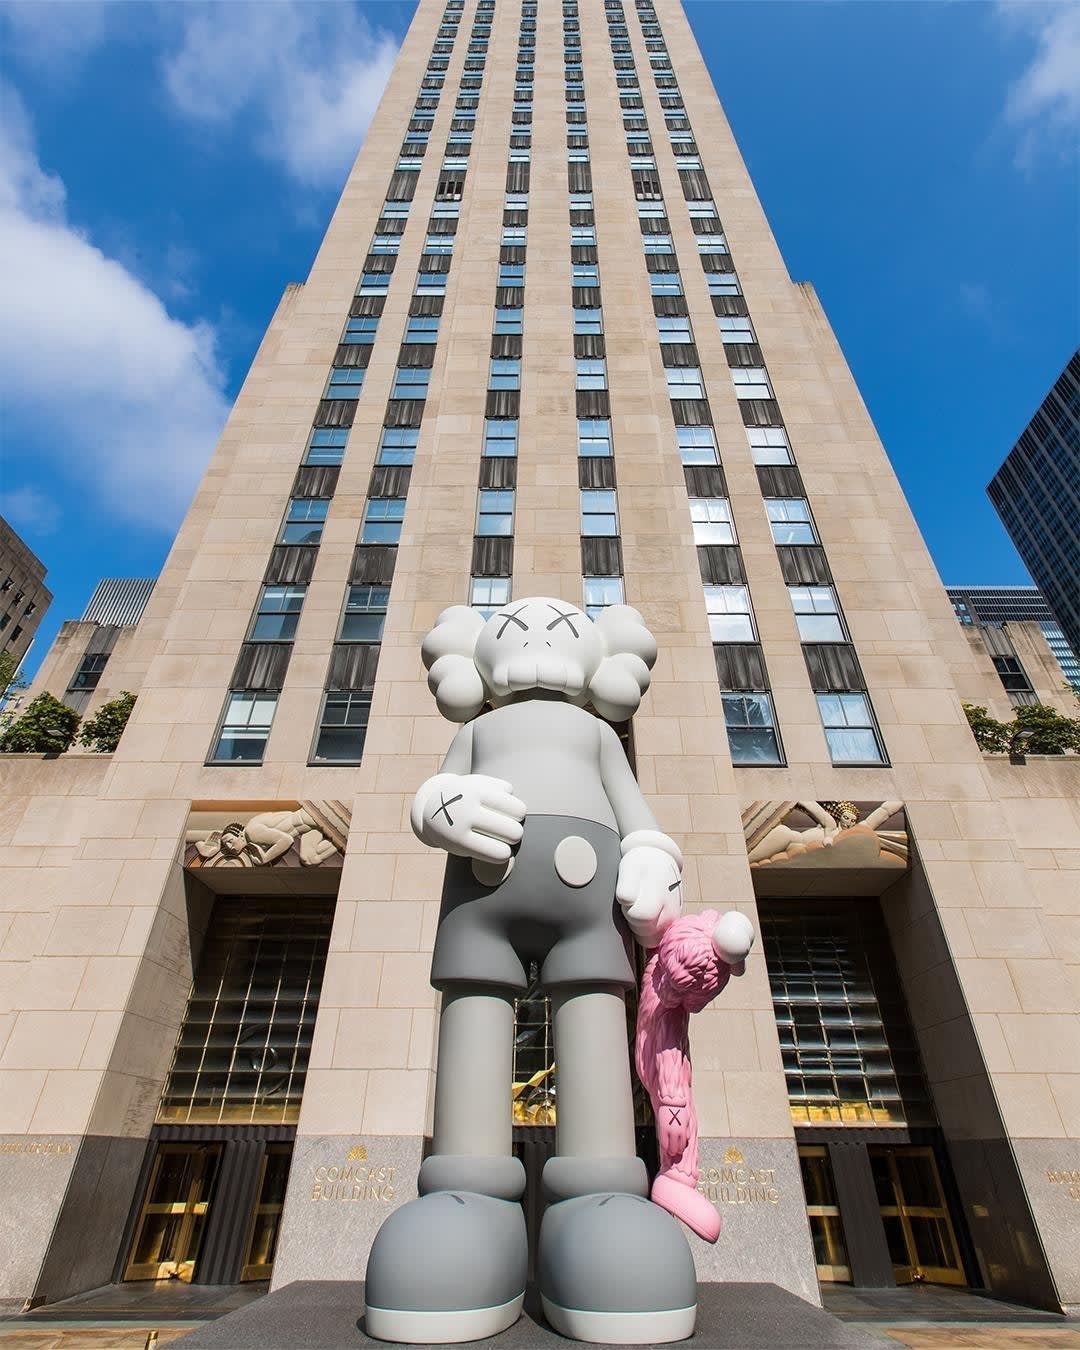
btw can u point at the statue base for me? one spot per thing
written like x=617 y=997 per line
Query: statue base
x=325 y=1315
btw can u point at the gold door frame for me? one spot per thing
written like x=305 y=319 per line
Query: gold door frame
x=836 y=1271
x=904 y=1212
x=191 y=1207
x=261 y=1270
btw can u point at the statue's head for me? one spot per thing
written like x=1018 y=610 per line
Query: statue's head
x=539 y=644
x=233 y=839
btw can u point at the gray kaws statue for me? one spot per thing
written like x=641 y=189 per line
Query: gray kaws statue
x=555 y=858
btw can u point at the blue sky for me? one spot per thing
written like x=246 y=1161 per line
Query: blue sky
x=165 y=169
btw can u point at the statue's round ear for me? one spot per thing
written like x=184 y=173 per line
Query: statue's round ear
x=459 y=691
x=623 y=630
x=615 y=690
x=455 y=633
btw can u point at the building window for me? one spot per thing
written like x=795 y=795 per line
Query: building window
x=511 y=274
x=430 y=283
x=582 y=234
x=751 y=729
x=382 y=520
x=422 y=328
x=361 y=329
x=711 y=517
x=411 y=382
x=594 y=436
x=90 y=667
x=513 y=235
x=486 y=594
x=769 y=445
x=751 y=382
x=495 y=513
x=657 y=244
x=345 y=382
x=584 y=274
x=736 y=329
x=723 y=283
x=505 y=373
x=697 y=445
x=665 y=283
x=277 y=614
x=599 y=513
x=304 y=521
x=342 y=728
x=674 y=328
x=326 y=445
x=588 y=322
x=600 y=592
x=731 y=618
x=684 y=382
x=817 y=613
x=371 y=283
x=591 y=373
x=500 y=438
x=245 y=727
x=364 y=614
x=849 y=729
x=789 y=519
x=508 y=322
x=397 y=445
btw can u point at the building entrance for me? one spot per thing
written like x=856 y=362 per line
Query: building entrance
x=918 y=1228
x=172 y=1223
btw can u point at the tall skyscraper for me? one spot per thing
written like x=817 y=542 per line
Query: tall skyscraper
x=24 y=597
x=548 y=346
x=994 y=606
x=1036 y=492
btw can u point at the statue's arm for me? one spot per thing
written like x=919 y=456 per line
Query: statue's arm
x=470 y=814
x=649 y=888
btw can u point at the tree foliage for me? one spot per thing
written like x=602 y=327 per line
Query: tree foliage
x=1050 y=732
x=102 y=732
x=47 y=727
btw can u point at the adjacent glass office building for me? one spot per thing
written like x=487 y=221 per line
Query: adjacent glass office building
x=548 y=346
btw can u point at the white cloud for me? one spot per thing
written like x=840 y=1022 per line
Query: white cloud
x=30 y=510
x=310 y=73
x=1044 y=101
x=129 y=400
x=54 y=37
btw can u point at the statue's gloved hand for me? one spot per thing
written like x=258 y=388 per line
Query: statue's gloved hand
x=649 y=887
x=471 y=814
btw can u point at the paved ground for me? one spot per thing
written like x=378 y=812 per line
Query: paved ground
x=124 y=1317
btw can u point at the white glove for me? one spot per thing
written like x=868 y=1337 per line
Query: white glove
x=470 y=814
x=649 y=887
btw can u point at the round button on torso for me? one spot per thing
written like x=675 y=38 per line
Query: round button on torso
x=575 y=861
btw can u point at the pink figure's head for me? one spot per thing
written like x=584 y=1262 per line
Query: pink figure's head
x=696 y=956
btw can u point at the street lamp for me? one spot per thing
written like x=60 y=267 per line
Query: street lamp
x=1018 y=745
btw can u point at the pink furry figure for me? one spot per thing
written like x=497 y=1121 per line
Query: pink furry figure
x=696 y=956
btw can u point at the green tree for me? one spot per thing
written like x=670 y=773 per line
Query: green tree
x=10 y=685
x=47 y=727
x=991 y=736
x=1051 y=733
x=103 y=731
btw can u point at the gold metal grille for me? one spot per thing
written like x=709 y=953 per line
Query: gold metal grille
x=243 y=1048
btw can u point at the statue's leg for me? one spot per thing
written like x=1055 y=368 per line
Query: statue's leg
x=613 y=1267
x=451 y=1265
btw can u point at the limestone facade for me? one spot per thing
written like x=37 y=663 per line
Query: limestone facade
x=96 y=922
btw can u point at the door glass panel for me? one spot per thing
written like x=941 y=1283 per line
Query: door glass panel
x=266 y=1218
x=173 y=1220
x=918 y=1227
x=823 y=1213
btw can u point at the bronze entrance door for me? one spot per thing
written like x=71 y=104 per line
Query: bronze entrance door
x=173 y=1219
x=918 y=1228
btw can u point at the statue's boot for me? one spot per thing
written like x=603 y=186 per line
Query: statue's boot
x=451 y=1265
x=613 y=1267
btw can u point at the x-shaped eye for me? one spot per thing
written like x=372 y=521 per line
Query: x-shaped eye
x=511 y=618
x=445 y=808
x=563 y=618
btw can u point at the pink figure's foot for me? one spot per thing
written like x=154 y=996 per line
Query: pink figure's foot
x=687 y=1204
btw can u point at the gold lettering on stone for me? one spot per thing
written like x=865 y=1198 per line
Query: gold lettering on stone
x=36 y=1146
x=739 y=1185
x=1068 y=1177
x=331 y=1181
